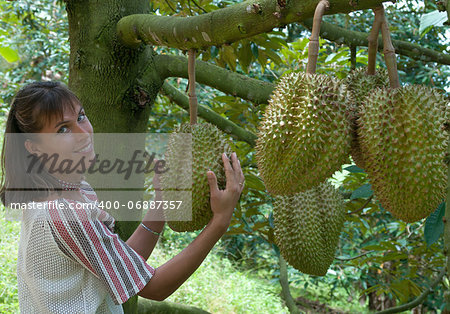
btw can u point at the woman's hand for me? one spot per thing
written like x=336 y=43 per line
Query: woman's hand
x=223 y=202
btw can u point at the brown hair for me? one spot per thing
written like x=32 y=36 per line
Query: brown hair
x=32 y=108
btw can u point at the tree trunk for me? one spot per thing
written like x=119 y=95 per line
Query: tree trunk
x=104 y=75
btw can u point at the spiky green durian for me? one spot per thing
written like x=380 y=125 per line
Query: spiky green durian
x=360 y=84
x=304 y=136
x=404 y=142
x=186 y=181
x=308 y=226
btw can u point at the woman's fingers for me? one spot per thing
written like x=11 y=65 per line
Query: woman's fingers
x=229 y=172
x=233 y=172
x=212 y=181
x=239 y=176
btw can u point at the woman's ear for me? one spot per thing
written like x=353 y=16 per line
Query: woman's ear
x=32 y=147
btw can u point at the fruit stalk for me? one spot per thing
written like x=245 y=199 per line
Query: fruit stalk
x=313 y=47
x=192 y=96
x=389 y=50
x=373 y=44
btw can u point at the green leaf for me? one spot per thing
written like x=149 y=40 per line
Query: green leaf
x=245 y=56
x=428 y=20
x=255 y=50
x=434 y=226
x=330 y=57
x=260 y=225
x=373 y=247
x=229 y=57
x=273 y=56
x=354 y=169
x=226 y=99
x=364 y=191
x=253 y=182
x=280 y=41
x=9 y=54
x=214 y=52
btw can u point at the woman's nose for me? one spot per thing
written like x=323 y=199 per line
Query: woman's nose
x=85 y=127
x=82 y=132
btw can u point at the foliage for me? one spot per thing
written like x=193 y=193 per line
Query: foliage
x=37 y=31
x=399 y=264
x=240 y=291
x=9 y=240
x=404 y=21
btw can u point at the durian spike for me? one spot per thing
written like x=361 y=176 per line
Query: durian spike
x=313 y=47
x=373 y=45
x=389 y=51
x=192 y=96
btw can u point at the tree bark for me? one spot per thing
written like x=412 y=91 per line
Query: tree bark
x=341 y=35
x=241 y=20
x=105 y=75
x=209 y=115
x=229 y=82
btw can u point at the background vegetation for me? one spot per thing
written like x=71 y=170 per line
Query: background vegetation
x=397 y=260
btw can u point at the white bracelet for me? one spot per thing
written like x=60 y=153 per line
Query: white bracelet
x=148 y=229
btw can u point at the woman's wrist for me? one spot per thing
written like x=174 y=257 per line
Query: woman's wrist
x=221 y=221
x=156 y=226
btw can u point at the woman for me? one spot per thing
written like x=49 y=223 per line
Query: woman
x=70 y=260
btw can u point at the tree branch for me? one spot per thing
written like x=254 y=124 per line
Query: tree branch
x=346 y=259
x=362 y=207
x=418 y=300
x=229 y=82
x=341 y=35
x=230 y=24
x=209 y=115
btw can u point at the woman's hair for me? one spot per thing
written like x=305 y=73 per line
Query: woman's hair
x=32 y=108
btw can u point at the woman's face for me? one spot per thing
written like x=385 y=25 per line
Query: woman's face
x=70 y=139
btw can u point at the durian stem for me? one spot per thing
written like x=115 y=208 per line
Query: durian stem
x=389 y=50
x=209 y=115
x=285 y=291
x=313 y=47
x=353 y=57
x=192 y=96
x=373 y=44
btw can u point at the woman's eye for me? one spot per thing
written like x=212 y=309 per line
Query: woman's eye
x=81 y=116
x=63 y=129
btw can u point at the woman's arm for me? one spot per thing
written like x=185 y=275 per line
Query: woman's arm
x=171 y=275
x=143 y=241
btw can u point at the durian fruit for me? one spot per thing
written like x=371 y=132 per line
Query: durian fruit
x=307 y=227
x=304 y=136
x=360 y=84
x=404 y=142
x=187 y=181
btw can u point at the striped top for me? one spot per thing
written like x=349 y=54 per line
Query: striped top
x=71 y=261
